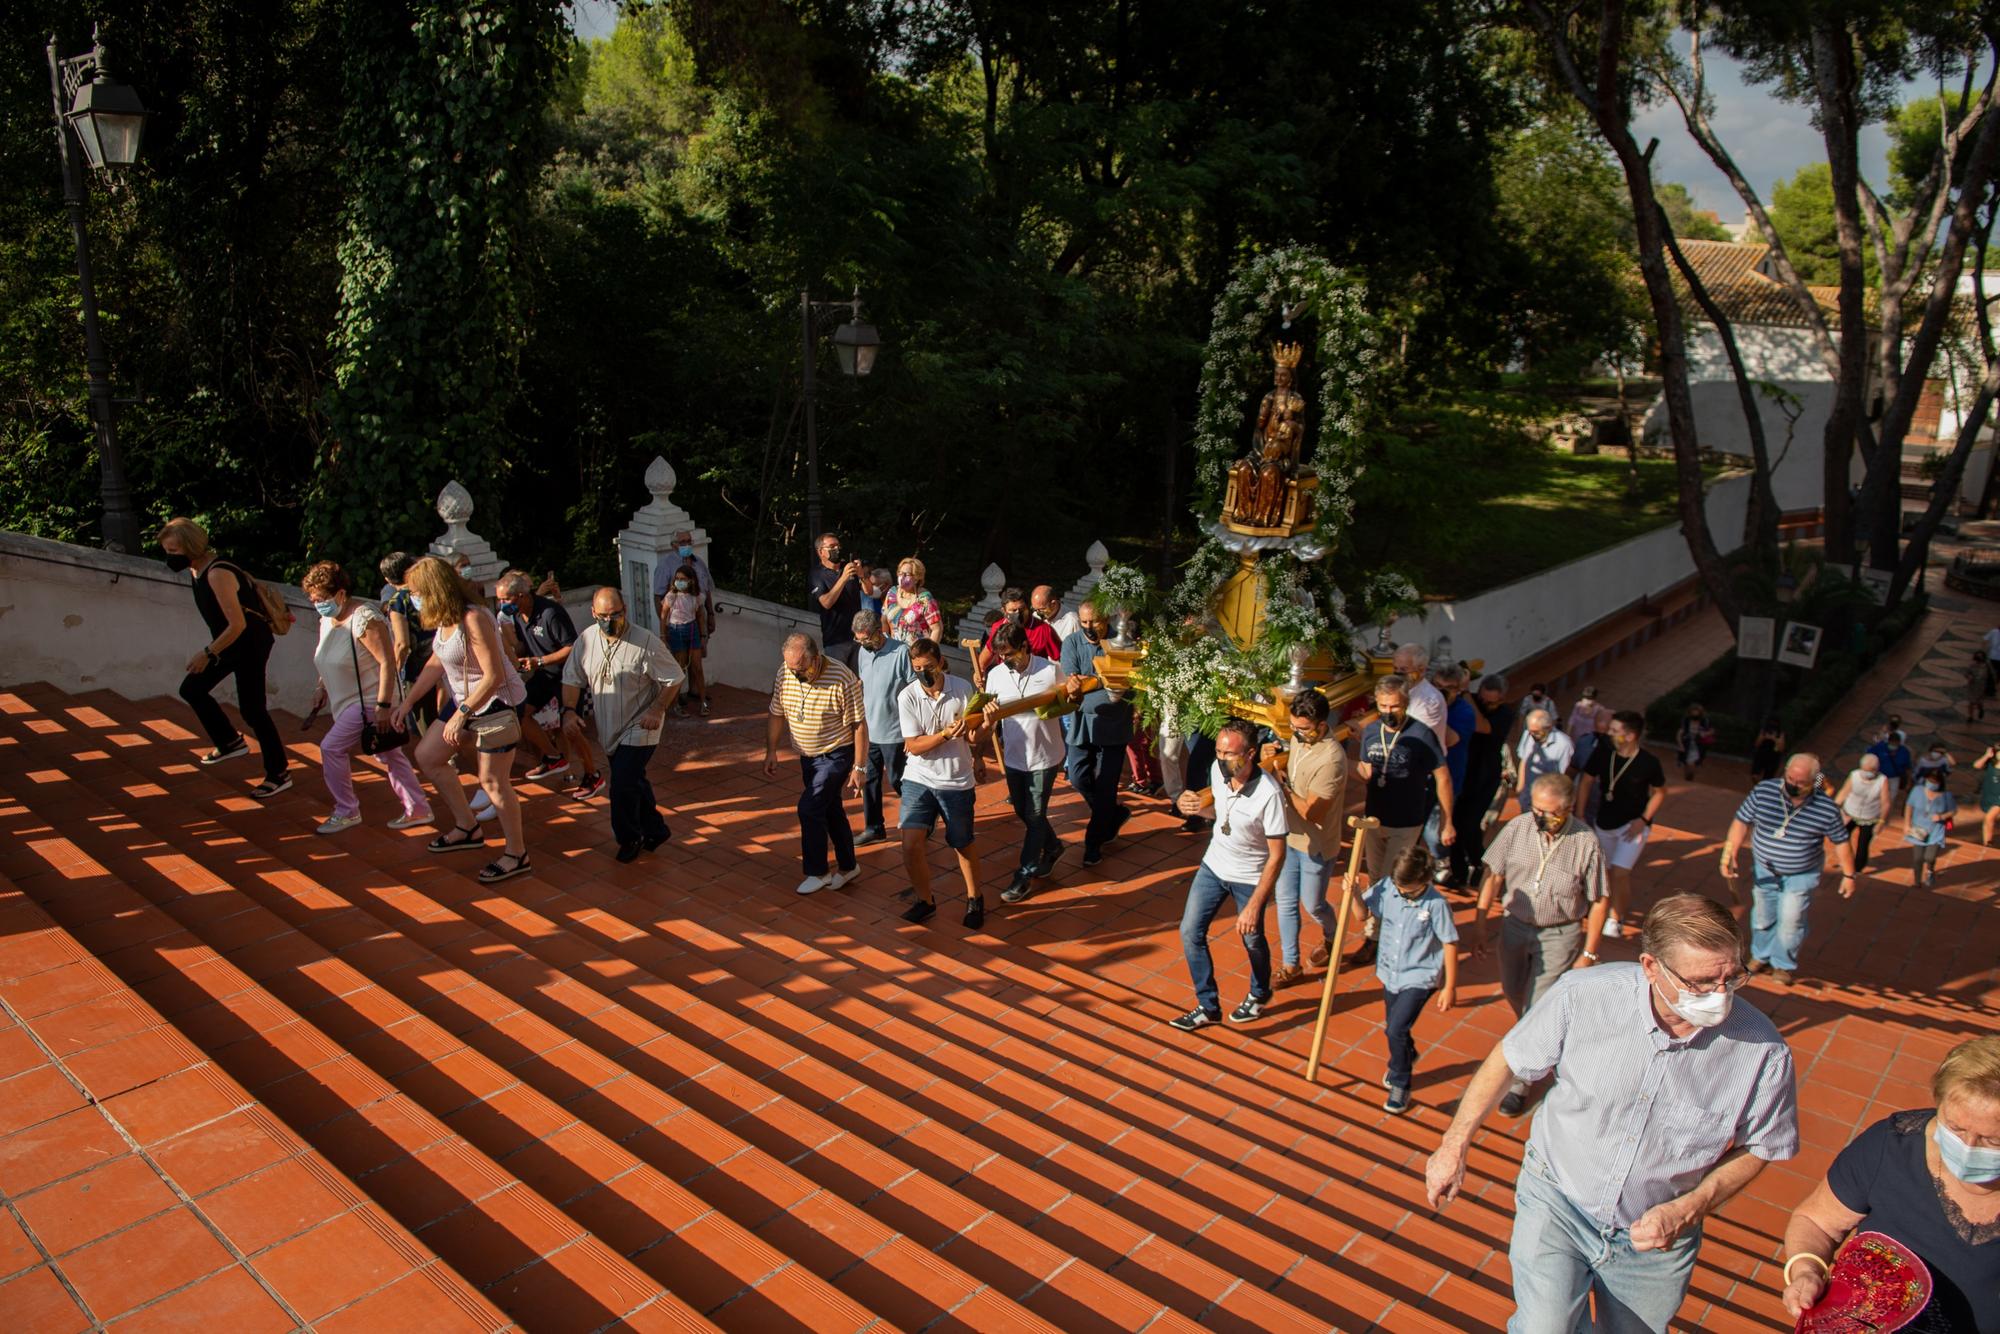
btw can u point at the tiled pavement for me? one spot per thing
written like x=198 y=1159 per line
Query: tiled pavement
x=600 y=1082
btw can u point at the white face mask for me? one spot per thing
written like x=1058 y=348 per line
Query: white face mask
x=1703 y=1011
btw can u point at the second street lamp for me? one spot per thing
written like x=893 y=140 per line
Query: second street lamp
x=105 y=120
x=856 y=345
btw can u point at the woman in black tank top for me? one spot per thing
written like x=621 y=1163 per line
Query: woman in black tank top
x=239 y=645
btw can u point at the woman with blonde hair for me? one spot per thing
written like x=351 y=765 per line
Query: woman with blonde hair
x=356 y=657
x=239 y=645
x=910 y=611
x=487 y=694
x=1928 y=1178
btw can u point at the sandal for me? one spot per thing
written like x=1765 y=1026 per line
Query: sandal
x=447 y=843
x=494 y=872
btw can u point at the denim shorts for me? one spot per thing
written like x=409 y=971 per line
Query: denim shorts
x=921 y=807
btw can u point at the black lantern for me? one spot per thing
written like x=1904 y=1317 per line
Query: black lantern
x=109 y=119
x=855 y=344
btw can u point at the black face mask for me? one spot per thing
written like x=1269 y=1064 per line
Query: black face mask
x=798 y=675
x=928 y=675
x=1090 y=633
x=610 y=625
x=1549 y=824
x=177 y=562
x=1392 y=720
x=1793 y=790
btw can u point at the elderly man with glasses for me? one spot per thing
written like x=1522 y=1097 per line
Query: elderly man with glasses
x=1669 y=1098
x=1548 y=873
x=1789 y=822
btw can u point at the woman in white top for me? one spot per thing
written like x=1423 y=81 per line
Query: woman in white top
x=1862 y=799
x=469 y=659
x=356 y=660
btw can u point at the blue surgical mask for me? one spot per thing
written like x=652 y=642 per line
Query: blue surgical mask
x=1975 y=1167
x=686 y=551
x=509 y=608
x=326 y=608
x=416 y=603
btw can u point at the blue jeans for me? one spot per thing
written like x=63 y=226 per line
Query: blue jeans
x=823 y=810
x=1399 y=1015
x=1560 y=1256
x=1205 y=899
x=1302 y=885
x=1028 y=791
x=1778 y=914
x=1093 y=772
x=885 y=760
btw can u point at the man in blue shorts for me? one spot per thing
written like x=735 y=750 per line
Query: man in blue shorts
x=937 y=780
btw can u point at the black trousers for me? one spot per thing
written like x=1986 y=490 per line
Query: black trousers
x=1468 y=816
x=885 y=760
x=635 y=814
x=1093 y=772
x=245 y=660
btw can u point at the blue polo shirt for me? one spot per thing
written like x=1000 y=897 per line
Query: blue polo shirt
x=1409 y=948
x=1788 y=839
x=884 y=672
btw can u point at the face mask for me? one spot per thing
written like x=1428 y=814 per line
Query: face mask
x=929 y=676
x=1090 y=632
x=1018 y=617
x=1934 y=784
x=908 y=583
x=508 y=608
x=1303 y=738
x=1550 y=824
x=327 y=608
x=686 y=551
x=1233 y=768
x=177 y=562
x=416 y=603
x=680 y=585
x=610 y=625
x=1793 y=790
x=1937 y=755
x=1703 y=1011
x=1392 y=718
x=834 y=555
x=1975 y=1167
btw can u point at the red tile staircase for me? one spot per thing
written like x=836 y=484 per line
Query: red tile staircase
x=671 y=1094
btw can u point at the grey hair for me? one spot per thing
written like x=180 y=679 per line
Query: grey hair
x=1808 y=757
x=1543 y=714
x=1871 y=763
x=514 y=581
x=801 y=637
x=1411 y=659
x=866 y=623
x=1392 y=684
x=1450 y=674
x=1554 y=785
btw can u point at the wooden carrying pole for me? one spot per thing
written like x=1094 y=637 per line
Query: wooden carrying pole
x=1360 y=824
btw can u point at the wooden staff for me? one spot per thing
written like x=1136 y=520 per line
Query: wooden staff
x=1360 y=824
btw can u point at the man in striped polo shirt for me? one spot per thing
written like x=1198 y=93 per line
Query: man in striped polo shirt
x=819 y=700
x=1790 y=821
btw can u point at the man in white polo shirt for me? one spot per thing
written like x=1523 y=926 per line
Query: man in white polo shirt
x=937 y=780
x=1246 y=850
x=1031 y=748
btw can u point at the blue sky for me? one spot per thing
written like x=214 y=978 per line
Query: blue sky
x=1770 y=139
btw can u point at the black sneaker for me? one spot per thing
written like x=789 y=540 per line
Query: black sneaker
x=229 y=752
x=1364 y=956
x=867 y=836
x=652 y=844
x=1251 y=1008
x=1092 y=856
x=549 y=767
x=1514 y=1103
x=628 y=852
x=271 y=787
x=1193 y=1019
x=975 y=914
x=1118 y=822
x=1049 y=863
x=1398 y=1100
x=1019 y=890
x=919 y=911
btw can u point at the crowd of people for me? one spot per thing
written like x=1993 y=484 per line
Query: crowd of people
x=1664 y=1097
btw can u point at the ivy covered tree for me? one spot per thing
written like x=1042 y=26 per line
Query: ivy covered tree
x=445 y=104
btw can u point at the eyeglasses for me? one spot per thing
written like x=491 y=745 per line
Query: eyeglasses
x=1732 y=984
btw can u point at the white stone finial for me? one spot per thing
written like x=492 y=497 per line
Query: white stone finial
x=1096 y=557
x=993 y=579
x=660 y=479
x=454 y=504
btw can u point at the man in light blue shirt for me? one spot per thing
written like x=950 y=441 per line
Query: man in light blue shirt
x=1669 y=1098
x=1789 y=823
x=883 y=664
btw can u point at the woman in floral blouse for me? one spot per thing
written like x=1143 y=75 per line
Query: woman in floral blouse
x=910 y=612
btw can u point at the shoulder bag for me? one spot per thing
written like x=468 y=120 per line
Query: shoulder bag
x=377 y=738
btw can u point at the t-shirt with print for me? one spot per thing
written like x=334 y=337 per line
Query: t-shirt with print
x=1245 y=822
x=1624 y=786
x=1400 y=790
x=947 y=768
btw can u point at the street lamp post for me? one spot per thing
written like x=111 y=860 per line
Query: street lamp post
x=104 y=120
x=856 y=345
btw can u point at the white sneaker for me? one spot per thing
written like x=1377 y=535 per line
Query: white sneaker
x=813 y=884
x=412 y=821
x=840 y=878
x=1614 y=928
x=333 y=824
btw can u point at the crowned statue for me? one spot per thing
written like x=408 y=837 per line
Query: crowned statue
x=1269 y=493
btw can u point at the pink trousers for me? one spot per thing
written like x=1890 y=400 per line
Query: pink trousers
x=336 y=759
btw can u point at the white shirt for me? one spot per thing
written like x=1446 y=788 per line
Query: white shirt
x=340 y=648
x=1551 y=755
x=1027 y=742
x=625 y=677
x=1065 y=625
x=1245 y=822
x=1427 y=707
x=947 y=768
x=1865 y=792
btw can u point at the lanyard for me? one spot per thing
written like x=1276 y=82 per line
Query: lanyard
x=1547 y=851
x=1613 y=772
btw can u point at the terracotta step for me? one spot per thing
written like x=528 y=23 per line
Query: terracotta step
x=720 y=1167
x=1223 y=1236
x=147 y=1187
x=1080 y=1297
x=681 y=1243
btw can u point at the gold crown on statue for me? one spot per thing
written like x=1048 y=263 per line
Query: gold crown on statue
x=1287 y=354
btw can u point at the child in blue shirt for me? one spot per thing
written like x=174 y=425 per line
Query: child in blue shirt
x=1416 y=958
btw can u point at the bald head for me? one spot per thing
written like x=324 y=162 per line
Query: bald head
x=607 y=601
x=1045 y=601
x=1802 y=770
